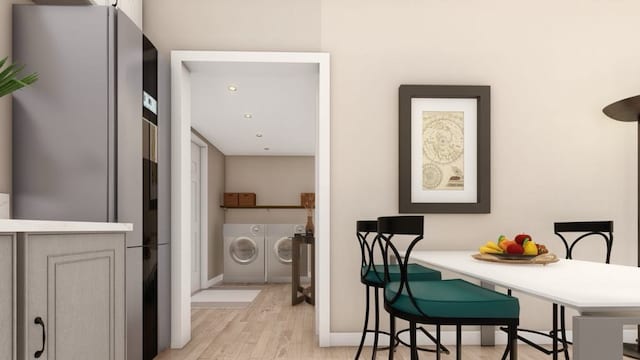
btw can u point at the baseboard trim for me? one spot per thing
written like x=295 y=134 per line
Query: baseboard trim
x=470 y=337
x=215 y=281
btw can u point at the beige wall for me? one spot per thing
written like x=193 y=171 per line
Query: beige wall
x=292 y=25
x=216 y=179
x=133 y=9
x=276 y=180
x=552 y=66
x=5 y=102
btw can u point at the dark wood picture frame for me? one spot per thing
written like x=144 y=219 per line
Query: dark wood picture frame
x=483 y=191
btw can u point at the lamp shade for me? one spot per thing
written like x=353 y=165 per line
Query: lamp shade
x=624 y=110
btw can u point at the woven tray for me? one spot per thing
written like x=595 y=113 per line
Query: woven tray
x=543 y=259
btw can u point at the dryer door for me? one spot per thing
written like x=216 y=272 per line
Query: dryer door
x=282 y=250
x=243 y=250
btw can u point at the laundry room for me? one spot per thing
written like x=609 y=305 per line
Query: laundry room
x=278 y=189
x=253 y=178
x=251 y=243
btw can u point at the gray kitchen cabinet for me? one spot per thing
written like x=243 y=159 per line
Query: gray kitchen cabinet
x=7 y=296
x=71 y=289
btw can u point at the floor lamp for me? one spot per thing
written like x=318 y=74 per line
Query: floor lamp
x=629 y=110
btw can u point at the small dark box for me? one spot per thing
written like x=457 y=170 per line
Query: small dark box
x=230 y=200
x=246 y=199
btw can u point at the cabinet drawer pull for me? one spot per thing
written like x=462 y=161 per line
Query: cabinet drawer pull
x=38 y=321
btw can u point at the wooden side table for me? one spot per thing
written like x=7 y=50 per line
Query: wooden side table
x=298 y=292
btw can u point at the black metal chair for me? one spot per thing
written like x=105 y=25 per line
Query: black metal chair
x=372 y=276
x=586 y=229
x=444 y=302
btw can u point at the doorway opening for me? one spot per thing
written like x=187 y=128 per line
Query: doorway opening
x=182 y=65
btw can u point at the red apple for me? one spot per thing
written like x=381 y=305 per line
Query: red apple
x=520 y=238
x=515 y=249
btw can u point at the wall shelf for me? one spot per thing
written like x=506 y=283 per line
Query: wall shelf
x=264 y=207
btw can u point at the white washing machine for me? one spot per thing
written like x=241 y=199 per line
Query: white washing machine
x=244 y=253
x=279 y=251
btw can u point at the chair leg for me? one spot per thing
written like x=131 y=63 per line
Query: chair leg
x=366 y=324
x=458 y=342
x=414 y=341
x=512 y=339
x=563 y=331
x=507 y=348
x=438 y=340
x=392 y=336
x=377 y=323
x=555 y=332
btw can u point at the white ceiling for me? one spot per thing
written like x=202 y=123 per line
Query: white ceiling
x=281 y=97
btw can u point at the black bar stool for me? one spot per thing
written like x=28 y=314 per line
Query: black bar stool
x=372 y=276
x=444 y=302
x=584 y=229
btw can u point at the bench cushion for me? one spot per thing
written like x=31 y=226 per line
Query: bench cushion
x=453 y=298
x=375 y=275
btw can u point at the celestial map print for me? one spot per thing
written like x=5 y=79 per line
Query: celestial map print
x=443 y=139
x=432 y=176
x=443 y=150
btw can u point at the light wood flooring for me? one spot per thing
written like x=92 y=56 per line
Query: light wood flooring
x=270 y=328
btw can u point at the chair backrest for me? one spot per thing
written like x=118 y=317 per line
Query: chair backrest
x=587 y=229
x=390 y=226
x=367 y=234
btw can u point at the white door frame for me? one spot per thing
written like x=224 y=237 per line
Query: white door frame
x=181 y=194
x=204 y=211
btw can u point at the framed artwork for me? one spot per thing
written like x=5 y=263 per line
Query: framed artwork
x=444 y=138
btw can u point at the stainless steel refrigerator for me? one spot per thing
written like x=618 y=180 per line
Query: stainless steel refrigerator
x=83 y=147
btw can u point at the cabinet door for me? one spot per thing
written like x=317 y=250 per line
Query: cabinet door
x=75 y=284
x=7 y=297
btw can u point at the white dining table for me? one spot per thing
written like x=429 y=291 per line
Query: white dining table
x=606 y=296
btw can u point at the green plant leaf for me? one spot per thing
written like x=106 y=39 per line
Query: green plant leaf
x=6 y=74
x=9 y=81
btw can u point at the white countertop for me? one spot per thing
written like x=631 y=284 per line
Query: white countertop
x=33 y=226
x=582 y=285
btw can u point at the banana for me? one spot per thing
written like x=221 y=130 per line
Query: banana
x=488 y=250
x=492 y=245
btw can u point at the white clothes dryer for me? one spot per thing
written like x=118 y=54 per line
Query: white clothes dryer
x=244 y=253
x=279 y=252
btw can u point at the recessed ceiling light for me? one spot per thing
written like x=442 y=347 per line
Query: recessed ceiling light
x=266 y=149
x=232 y=88
x=248 y=115
x=258 y=135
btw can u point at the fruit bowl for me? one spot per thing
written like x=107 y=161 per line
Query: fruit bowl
x=542 y=259
x=521 y=248
x=514 y=256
